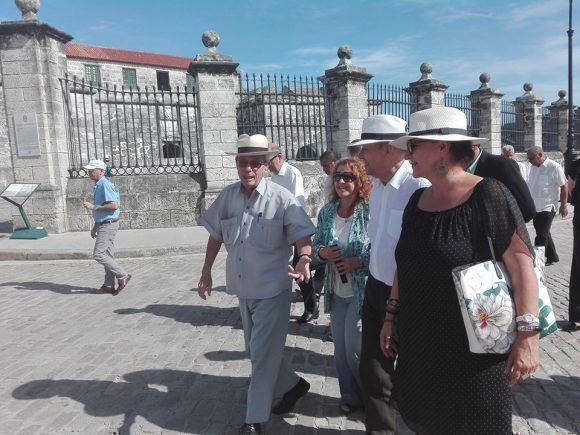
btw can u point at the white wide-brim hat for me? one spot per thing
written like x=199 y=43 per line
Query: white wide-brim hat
x=96 y=164
x=446 y=124
x=255 y=145
x=380 y=128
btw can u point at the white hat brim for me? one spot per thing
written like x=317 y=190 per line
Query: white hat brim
x=254 y=153
x=362 y=142
x=401 y=143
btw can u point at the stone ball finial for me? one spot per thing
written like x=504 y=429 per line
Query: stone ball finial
x=562 y=94
x=344 y=53
x=211 y=39
x=426 y=69
x=29 y=8
x=484 y=78
x=528 y=86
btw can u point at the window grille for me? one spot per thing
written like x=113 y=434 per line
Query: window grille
x=93 y=75
x=130 y=78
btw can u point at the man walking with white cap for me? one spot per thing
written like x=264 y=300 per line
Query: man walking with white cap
x=393 y=186
x=105 y=207
x=259 y=221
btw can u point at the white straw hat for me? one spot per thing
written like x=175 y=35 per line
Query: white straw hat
x=439 y=123
x=381 y=128
x=255 y=145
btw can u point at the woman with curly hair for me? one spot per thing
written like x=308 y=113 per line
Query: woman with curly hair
x=342 y=242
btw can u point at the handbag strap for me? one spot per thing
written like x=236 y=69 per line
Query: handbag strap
x=483 y=206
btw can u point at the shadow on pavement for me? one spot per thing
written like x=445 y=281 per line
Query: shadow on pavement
x=558 y=396
x=170 y=399
x=63 y=289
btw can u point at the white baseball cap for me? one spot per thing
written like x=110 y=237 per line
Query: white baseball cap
x=96 y=164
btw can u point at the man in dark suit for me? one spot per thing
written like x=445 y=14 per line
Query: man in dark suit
x=507 y=171
x=574 y=301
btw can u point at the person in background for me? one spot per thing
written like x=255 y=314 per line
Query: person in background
x=328 y=160
x=289 y=176
x=105 y=208
x=259 y=221
x=509 y=152
x=393 y=185
x=342 y=243
x=440 y=387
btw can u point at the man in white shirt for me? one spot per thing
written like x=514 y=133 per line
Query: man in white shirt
x=509 y=152
x=546 y=181
x=393 y=186
x=290 y=177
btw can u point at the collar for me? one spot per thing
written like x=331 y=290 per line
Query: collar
x=101 y=181
x=283 y=169
x=401 y=175
x=260 y=188
x=544 y=163
x=471 y=169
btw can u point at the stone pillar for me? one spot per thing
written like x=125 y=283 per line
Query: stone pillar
x=488 y=102
x=426 y=92
x=218 y=132
x=530 y=107
x=346 y=85
x=32 y=59
x=559 y=110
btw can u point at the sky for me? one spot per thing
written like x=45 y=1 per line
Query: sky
x=515 y=41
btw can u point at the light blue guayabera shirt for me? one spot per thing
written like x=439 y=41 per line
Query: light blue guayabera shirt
x=103 y=192
x=258 y=233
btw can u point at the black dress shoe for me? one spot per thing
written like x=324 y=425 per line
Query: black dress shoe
x=307 y=317
x=289 y=399
x=250 y=428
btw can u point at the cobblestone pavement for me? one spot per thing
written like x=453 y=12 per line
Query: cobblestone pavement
x=157 y=359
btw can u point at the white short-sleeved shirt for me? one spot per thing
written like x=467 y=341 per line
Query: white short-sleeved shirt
x=290 y=178
x=258 y=233
x=387 y=203
x=544 y=182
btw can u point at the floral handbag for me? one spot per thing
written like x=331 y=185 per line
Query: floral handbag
x=487 y=307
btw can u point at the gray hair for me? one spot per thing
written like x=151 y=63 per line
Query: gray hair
x=534 y=151
x=507 y=149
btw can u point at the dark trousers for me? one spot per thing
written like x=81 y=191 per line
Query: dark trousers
x=376 y=369
x=309 y=295
x=542 y=224
x=574 y=302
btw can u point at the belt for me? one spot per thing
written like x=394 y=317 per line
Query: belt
x=109 y=221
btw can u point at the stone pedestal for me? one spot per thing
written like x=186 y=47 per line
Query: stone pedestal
x=488 y=102
x=426 y=92
x=559 y=110
x=530 y=107
x=215 y=81
x=32 y=59
x=346 y=85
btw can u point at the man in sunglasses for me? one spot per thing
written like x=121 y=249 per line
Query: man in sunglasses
x=258 y=221
x=392 y=187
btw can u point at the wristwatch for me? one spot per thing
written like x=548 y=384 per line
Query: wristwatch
x=529 y=328
x=528 y=318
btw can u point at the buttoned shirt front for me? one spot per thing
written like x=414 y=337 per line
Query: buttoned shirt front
x=258 y=233
x=103 y=192
x=387 y=204
x=290 y=178
x=544 y=182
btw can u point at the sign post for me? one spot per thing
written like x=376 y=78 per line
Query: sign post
x=18 y=194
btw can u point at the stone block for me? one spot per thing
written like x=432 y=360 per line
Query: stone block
x=183 y=218
x=23 y=174
x=79 y=222
x=226 y=83
x=158 y=219
x=138 y=219
x=138 y=201
x=14 y=96
x=229 y=137
x=30 y=94
x=22 y=81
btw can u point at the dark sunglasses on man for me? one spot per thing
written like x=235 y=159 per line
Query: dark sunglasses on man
x=253 y=163
x=348 y=177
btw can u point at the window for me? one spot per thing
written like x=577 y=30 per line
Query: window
x=130 y=78
x=93 y=75
x=163 y=81
x=189 y=83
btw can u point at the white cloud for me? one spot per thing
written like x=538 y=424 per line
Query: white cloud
x=523 y=14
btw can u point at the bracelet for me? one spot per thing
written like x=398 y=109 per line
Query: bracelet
x=529 y=329
x=394 y=303
x=392 y=311
x=305 y=255
x=527 y=318
x=318 y=252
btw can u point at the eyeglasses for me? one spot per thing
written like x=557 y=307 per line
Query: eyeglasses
x=253 y=163
x=348 y=177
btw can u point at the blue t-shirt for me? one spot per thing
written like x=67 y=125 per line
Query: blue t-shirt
x=103 y=192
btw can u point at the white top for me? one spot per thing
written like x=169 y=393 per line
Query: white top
x=523 y=170
x=544 y=183
x=290 y=178
x=341 y=230
x=387 y=203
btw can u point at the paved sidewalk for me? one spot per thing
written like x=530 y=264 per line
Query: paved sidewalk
x=156 y=359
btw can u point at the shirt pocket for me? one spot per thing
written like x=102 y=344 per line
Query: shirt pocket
x=267 y=233
x=230 y=230
x=394 y=224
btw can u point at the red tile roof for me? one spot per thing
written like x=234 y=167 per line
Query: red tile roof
x=94 y=52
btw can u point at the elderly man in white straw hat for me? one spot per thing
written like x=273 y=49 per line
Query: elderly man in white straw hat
x=259 y=221
x=392 y=187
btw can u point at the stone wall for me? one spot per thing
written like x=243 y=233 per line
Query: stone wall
x=6 y=174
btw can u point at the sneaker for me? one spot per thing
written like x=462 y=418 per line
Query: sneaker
x=121 y=284
x=102 y=291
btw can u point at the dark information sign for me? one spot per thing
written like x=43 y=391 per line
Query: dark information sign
x=27 y=142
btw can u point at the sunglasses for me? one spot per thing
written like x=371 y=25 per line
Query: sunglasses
x=348 y=177
x=253 y=163
x=412 y=146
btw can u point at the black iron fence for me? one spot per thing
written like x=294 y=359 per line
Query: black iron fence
x=292 y=112
x=512 y=126
x=463 y=103
x=386 y=99
x=138 y=131
x=549 y=130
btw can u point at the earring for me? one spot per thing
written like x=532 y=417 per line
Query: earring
x=441 y=167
